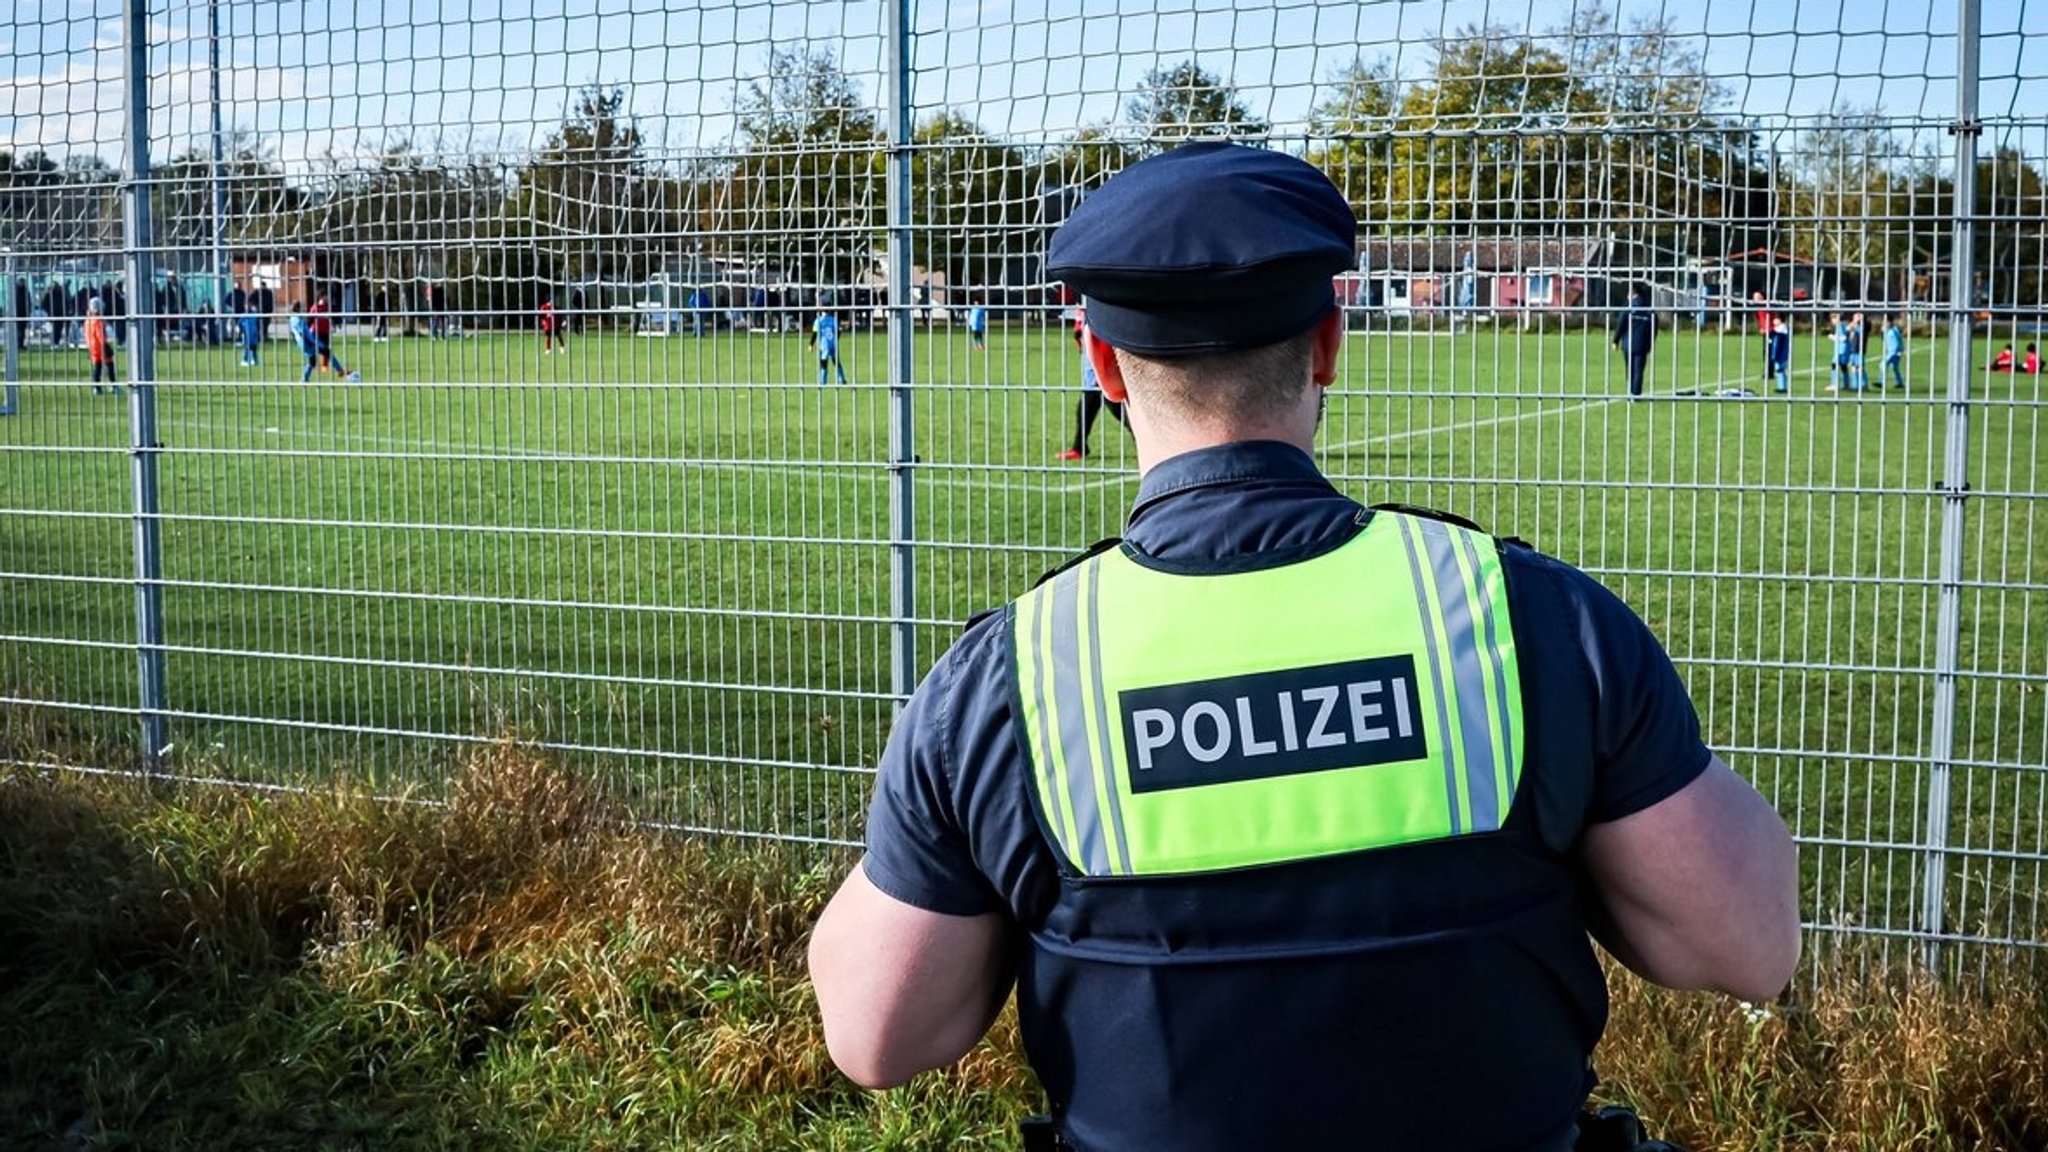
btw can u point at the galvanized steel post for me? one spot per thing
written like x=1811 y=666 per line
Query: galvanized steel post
x=902 y=362
x=139 y=258
x=1955 y=482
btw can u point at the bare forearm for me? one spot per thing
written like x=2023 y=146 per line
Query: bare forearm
x=1701 y=892
x=901 y=990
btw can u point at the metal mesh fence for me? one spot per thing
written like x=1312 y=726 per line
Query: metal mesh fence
x=471 y=378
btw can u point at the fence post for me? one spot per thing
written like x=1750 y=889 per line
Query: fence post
x=902 y=362
x=221 y=315
x=138 y=256
x=1955 y=484
x=11 y=321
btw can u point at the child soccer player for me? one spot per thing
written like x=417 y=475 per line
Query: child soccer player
x=977 y=326
x=825 y=338
x=322 y=329
x=1764 y=326
x=1781 y=354
x=97 y=348
x=2003 y=362
x=1838 y=369
x=1894 y=353
x=2031 y=362
x=302 y=335
x=1092 y=400
x=1857 y=334
x=551 y=336
x=252 y=336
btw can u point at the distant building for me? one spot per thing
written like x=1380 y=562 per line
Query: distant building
x=1424 y=276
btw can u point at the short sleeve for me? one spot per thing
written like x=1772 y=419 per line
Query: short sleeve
x=917 y=849
x=1646 y=737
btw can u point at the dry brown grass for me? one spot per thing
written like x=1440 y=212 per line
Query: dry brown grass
x=519 y=922
x=1860 y=1058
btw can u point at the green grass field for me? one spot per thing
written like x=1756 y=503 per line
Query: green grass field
x=673 y=559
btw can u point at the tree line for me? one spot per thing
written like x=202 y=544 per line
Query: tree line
x=1585 y=130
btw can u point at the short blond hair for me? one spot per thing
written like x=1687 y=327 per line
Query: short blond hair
x=1244 y=385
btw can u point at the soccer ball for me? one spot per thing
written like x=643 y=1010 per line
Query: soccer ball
x=355 y=377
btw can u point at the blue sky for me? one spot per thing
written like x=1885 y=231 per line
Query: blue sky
x=345 y=75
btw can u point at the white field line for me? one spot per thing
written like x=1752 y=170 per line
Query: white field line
x=321 y=438
x=1067 y=487
x=1466 y=426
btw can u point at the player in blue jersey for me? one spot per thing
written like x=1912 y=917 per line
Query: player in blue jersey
x=1894 y=352
x=825 y=338
x=1781 y=353
x=977 y=326
x=252 y=334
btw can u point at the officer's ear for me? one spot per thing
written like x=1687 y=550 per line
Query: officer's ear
x=1109 y=375
x=1328 y=341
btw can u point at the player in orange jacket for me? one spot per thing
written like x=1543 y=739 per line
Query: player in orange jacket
x=98 y=349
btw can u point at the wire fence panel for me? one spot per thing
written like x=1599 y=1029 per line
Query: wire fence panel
x=665 y=384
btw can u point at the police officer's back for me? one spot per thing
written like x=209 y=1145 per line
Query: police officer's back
x=1287 y=819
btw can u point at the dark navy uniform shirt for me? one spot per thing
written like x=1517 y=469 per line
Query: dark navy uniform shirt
x=1635 y=329
x=952 y=829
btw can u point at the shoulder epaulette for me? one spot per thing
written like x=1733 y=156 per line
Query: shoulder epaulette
x=1095 y=549
x=1449 y=518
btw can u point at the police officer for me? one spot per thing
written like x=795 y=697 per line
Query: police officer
x=1287 y=819
x=1635 y=330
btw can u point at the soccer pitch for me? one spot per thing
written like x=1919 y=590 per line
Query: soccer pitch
x=672 y=558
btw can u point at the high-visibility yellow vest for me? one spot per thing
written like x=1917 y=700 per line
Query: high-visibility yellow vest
x=1366 y=698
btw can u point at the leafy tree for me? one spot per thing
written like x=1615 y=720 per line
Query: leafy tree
x=1851 y=195
x=805 y=195
x=46 y=206
x=1482 y=140
x=405 y=216
x=1663 y=160
x=1080 y=164
x=2010 y=241
x=972 y=201
x=591 y=202
x=1351 y=128
x=254 y=195
x=1185 y=103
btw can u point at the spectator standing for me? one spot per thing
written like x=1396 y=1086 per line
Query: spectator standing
x=172 y=323
x=81 y=301
x=1635 y=331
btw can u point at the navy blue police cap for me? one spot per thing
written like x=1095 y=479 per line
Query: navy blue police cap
x=1208 y=248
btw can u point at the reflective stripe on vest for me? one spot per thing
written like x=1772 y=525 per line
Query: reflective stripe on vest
x=1366 y=698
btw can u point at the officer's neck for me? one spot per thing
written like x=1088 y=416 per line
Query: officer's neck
x=1162 y=438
